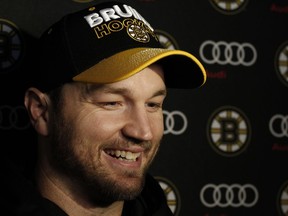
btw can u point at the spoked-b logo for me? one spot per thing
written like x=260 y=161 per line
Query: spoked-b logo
x=11 y=45
x=228 y=131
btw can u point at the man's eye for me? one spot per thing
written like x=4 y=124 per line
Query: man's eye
x=110 y=105
x=154 y=106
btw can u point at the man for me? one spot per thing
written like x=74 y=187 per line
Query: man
x=96 y=105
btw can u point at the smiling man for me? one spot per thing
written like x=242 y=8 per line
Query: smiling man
x=96 y=106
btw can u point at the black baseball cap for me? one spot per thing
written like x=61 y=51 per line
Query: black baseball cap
x=109 y=42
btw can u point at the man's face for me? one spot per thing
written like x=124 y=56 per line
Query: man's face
x=106 y=136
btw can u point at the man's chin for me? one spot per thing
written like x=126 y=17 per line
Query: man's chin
x=130 y=189
x=117 y=190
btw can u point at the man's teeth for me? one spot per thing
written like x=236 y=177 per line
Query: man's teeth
x=127 y=155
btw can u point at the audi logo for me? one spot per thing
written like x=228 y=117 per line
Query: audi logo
x=232 y=53
x=224 y=195
x=278 y=126
x=175 y=122
x=13 y=118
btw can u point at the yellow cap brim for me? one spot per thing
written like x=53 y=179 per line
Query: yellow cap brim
x=129 y=62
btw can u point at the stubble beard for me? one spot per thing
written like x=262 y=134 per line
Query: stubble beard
x=96 y=183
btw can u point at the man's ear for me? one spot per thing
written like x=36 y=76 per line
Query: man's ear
x=37 y=104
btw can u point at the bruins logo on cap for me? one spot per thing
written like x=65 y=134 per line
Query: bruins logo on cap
x=138 y=33
x=112 y=19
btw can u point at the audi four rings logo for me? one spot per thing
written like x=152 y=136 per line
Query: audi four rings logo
x=175 y=122
x=224 y=195
x=229 y=6
x=13 y=118
x=283 y=200
x=10 y=45
x=228 y=131
x=224 y=53
x=281 y=63
x=166 y=40
x=172 y=194
x=278 y=126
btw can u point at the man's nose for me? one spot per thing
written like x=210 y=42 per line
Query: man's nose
x=138 y=125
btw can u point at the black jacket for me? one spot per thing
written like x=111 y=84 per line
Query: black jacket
x=19 y=198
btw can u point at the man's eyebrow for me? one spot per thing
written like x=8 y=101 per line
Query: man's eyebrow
x=113 y=90
x=109 y=89
x=162 y=92
x=120 y=90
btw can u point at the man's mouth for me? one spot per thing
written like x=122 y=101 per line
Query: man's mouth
x=123 y=155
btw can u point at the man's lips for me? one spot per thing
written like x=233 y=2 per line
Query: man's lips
x=129 y=157
x=123 y=155
x=124 y=158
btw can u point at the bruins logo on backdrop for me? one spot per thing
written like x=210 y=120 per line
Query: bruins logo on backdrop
x=11 y=45
x=281 y=63
x=172 y=194
x=229 y=7
x=166 y=40
x=283 y=200
x=228 y=131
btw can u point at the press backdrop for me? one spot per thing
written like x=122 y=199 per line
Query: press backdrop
x=225 y=148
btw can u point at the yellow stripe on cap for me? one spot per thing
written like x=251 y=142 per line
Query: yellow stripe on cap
x=129 y=62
